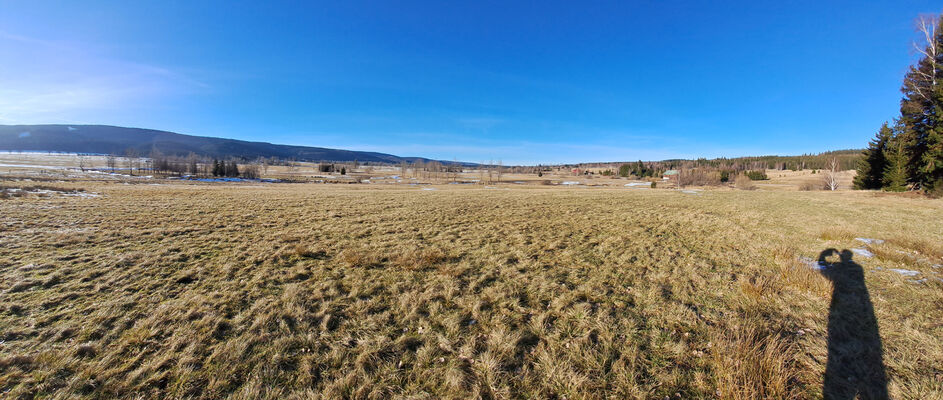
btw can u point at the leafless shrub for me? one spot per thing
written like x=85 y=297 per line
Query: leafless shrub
x=809 y=186
x=698 y=177
x=250 y=171
x=743 y=182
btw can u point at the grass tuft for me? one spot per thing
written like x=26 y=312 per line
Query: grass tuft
x=837 y=234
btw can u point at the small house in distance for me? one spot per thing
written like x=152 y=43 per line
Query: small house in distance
x=670 y=175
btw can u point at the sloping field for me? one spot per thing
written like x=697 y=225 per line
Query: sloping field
x=317 y=291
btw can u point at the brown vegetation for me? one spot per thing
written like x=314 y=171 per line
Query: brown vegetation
x=318 y=291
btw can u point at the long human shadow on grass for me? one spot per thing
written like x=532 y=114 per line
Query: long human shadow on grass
x=855 y=365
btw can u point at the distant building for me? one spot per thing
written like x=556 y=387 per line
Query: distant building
x=670 y=175
x=577 y=171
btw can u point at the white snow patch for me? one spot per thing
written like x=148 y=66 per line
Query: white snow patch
x=863 y=252
x=869 y=241
x=813 y=263
x=31 y=166
x=568 y=183
x=905 y=272
x=429 y=189
x=638 y=184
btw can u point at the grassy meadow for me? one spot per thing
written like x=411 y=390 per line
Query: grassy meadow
x=298 y=291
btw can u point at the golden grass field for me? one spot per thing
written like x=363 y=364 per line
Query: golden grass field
x=290 y=291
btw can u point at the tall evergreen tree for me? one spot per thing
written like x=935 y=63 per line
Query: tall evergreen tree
x=933 y=162
x=871 y=166
x=895 y=172
x=921 y=109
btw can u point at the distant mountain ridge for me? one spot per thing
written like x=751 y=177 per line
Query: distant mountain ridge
x=106 y=139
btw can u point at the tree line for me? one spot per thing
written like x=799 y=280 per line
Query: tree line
x=907 y=154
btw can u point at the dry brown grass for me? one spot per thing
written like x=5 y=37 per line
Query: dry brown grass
x=308 y=291
x=837 y=234
x=753 y=365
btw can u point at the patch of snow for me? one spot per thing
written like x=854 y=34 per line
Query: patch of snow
x=570 y=183
x=814 y=264
x=429 y=189
x=905 y=272
x=638 y=184
x=863 y=252
x=869 y=241
x=82 y=194
x=31 y=166
x=917 y=281
x=691 y=191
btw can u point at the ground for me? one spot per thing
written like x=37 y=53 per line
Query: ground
x=163 y=289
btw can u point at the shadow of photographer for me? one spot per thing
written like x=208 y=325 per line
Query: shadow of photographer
x=855 y=366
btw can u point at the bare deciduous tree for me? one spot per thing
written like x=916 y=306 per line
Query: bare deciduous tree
x=926 y=25
x=830 y=178
x=250 y=171
x=264 y=162
x=499 y=170
x=111 y=161
x=83 y=163
x=131 y=159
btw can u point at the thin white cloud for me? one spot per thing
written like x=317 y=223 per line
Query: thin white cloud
x=44 y=81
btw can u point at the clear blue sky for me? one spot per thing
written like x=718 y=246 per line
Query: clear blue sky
x=523 y=82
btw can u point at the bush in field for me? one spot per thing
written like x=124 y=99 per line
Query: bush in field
x=625 y=170
x=250 y=171
x=808 y=186
x=698 y=177
x=744 y=182
x=757 y=175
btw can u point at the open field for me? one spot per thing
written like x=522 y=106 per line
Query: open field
x=331 y=291
x=72 y=166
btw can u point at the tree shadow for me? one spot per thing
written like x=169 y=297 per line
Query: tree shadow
x=855 y=366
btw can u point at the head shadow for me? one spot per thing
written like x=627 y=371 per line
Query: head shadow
x=855 y=366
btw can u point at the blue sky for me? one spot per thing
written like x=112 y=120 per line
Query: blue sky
x=521 y=82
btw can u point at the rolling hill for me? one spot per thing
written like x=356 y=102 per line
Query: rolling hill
x=104 y=139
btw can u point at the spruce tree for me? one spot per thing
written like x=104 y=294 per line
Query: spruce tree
x=871 y=166
x=921 y=111
x=895 y=172
x=933 y=162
